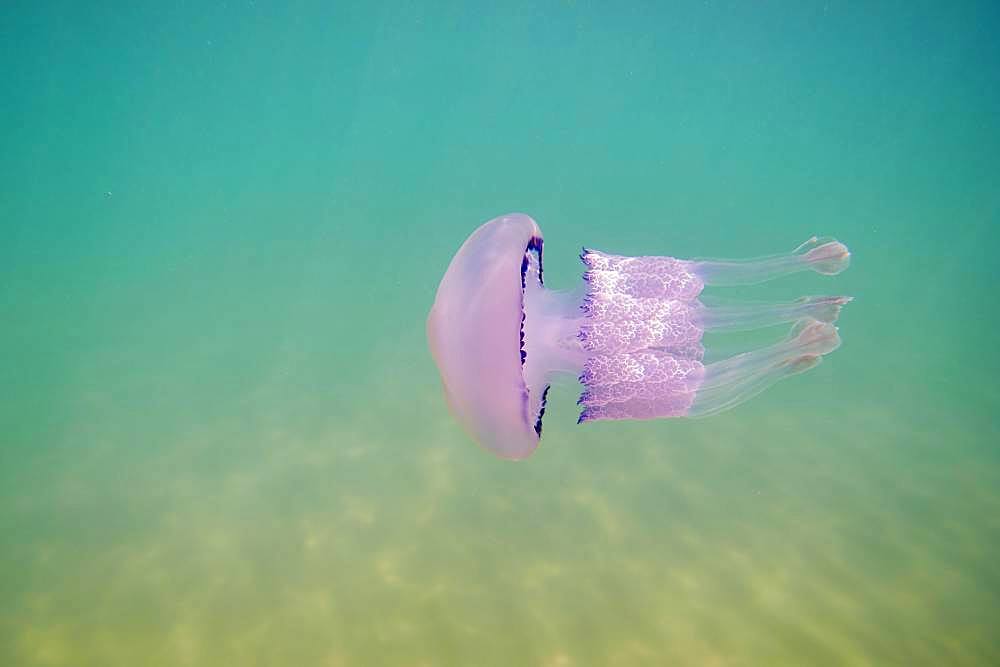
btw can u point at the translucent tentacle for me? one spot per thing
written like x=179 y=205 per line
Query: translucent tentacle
x=826 y=256
x=756 y=316
x=653 y=384
x=713 y=400
x=808 y=338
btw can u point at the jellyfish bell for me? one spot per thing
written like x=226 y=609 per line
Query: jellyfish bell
x=632 y=334
x=474 y=331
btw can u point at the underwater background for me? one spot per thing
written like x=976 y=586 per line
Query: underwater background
x=223 y=439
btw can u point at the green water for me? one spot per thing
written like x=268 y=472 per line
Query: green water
x=222 y=438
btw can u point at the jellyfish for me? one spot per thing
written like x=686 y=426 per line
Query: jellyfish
x=632 y=333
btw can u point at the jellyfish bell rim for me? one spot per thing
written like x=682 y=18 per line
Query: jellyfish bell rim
x=473 y=331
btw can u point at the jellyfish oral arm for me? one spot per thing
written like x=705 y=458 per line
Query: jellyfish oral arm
x=644 y=329
x=655 y=384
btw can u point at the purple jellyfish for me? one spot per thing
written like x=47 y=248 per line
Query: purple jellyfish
x=632 y=335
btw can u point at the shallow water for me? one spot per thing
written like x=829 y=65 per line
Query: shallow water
x=223 y=438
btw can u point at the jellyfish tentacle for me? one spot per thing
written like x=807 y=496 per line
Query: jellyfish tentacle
x=714 y=400
x=807 y=338
x=757 y=316
x=825 y=256
x=735 y=380
x=653 y=383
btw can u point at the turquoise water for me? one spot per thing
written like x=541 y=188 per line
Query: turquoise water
x=222 y=438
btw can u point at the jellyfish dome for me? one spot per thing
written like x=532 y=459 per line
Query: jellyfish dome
x=631 y=334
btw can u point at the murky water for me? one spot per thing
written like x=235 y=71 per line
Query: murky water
x=222 y=438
